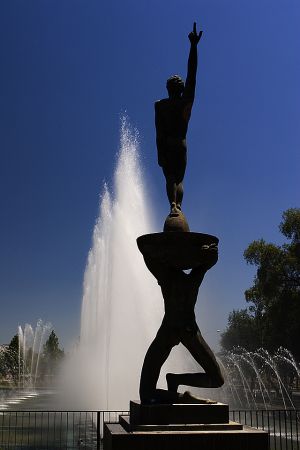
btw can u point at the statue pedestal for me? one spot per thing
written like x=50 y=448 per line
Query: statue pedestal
x=181 y=426
x=176 y=249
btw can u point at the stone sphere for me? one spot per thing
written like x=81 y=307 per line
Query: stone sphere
x=176 y=222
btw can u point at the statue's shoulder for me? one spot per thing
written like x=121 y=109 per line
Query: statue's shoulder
x=163 y=100
x=160 y=103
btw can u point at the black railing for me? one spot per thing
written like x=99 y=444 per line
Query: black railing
x=283 y=426
x=72 y=430
x=54 y=429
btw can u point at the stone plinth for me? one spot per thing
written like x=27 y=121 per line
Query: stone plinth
x=177 y=414
x=180 y=427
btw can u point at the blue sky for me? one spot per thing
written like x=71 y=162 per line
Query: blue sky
x=69 y=68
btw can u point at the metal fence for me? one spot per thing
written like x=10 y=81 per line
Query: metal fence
x=70 y=430
x=54 y=430
x=283 y=426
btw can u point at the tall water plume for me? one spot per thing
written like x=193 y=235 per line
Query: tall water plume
x=122 y=306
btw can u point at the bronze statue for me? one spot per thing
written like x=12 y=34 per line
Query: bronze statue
x=176 y=249
x=172 y=116
x=179 y=291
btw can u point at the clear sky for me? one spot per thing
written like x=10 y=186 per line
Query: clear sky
x=69 y=68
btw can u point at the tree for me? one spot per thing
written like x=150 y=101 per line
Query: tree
x=240 y=331
x=274 y=296
x=2 y=361
x=52 y=354
x=10 y=359
x=290 y=225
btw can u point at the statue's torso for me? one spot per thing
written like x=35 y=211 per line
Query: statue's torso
x=180 y=296
x=172 y=118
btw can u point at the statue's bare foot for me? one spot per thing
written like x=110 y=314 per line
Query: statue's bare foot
x=173 y=208
x=171 y=382
x=187 y=397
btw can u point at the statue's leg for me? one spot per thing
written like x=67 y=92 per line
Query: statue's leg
x=211 y=377
x=155 y=357
x=171 y=188
x=179 y=195
x=179 y=176
x=171 y=185
x=171 y=193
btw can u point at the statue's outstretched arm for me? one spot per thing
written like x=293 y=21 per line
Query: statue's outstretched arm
x=210 y=257
x=190 y=84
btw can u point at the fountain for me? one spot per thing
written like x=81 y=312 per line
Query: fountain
x=26 y=362
x=31 y=343
x=260 y=379
x=121 y=307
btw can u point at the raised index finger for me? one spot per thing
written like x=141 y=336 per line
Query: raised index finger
x=194 y=28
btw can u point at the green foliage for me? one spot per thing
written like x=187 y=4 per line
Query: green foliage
x=49 y=360
x=274 y=297
x=290 y=225
x=51 y=347
x=52 y=355
x=240 y=331
x=2 y=363
x=10 y=360
x=14 y=344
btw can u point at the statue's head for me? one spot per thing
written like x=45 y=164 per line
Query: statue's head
x=175 y=86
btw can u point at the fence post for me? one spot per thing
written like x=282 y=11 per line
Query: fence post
x=98 y=430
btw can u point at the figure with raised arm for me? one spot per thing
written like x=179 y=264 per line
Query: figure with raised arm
x=172 y=116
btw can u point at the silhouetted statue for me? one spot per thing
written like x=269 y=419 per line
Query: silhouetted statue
x=179 y=291
x=172 y=116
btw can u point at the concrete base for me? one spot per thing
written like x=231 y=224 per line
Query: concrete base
x=177 y=413
x=178 y=427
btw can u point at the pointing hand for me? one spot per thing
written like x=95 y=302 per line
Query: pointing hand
x=193 y=36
